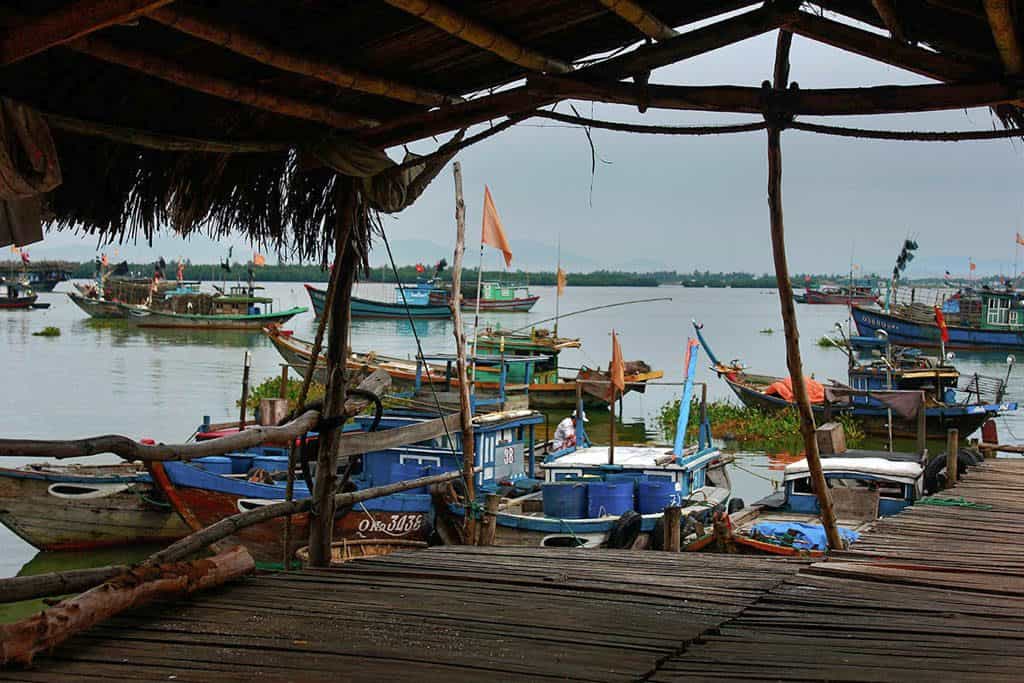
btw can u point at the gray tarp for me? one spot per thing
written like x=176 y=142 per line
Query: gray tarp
x=28 y=168
x=903 y=403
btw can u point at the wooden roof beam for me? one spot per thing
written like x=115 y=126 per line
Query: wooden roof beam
x=644 y=21
x=475 y=33
x=1004 y=32
x=873 y=46
x=887 y=12
x=32 y=35
x=169 y=71
x=236 y=40
x=890 y=99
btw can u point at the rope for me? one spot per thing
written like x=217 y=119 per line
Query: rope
x=905 y=135
x=953 y=502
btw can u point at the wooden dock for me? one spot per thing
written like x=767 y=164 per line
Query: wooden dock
x=445 y=614
x=932 y=594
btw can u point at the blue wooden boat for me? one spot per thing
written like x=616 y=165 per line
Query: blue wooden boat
x=922 y=332
x=954 y=401
x=422 y=300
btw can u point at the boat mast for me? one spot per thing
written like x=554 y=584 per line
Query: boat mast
x=558 y=288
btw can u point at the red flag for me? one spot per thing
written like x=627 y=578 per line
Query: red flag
x=940 y=320
x=972 y=265
x=492 y=233
x=24 y=257
x=617 y=369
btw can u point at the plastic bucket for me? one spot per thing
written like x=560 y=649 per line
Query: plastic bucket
x=654 y=494
x=271 y=463
x=214 y=464
x=565 y=499
x=609 y=498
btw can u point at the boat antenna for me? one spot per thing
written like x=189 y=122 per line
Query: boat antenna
x=589 y=310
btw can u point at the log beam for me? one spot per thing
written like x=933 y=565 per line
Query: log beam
x=1004 y=32
x=209 y=84
x=887 y=12
x=475 y=33
x=32 y=35
x=644 y=21
x=888 y=99
x=233 y=38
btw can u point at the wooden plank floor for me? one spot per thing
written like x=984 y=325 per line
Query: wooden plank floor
x=451 y=614
x=932 y=594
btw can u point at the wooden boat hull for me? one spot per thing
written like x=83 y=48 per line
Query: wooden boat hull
x=520 y=305
x=814 y=297
x=368 y=308
x=17 y=303
x=158 y=319
x=98 y=308
x=939 y=419
x=64 y=511
x=907 y=333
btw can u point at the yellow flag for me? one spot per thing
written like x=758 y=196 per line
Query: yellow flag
x=617 y=369
x=561 y=282
x=493 y=234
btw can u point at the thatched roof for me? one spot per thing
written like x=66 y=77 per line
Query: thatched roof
x=281 y=75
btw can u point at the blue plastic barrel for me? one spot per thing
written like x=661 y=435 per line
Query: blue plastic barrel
x=240 y=463
x=404 y=471
x=624 y=477
x=654 y=494
x=609 y=498
x=565 y=499
x=271 y=463
x=215 y=464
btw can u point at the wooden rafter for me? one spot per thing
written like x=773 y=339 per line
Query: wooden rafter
x=858 y=41
x=644 y=21
x=889 y=99
x=238 y=41
x=167 y=70
x=32 y=35
x=887 y=12
x=517 y=100
x=482 y=36
x=1004 y=32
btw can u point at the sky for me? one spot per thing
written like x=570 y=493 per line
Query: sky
x=688 y=203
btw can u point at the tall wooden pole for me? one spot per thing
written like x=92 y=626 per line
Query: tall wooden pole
x=245 y=390
x=793 y=360
x=321 y=526
x=466 y=410
x=952 y=457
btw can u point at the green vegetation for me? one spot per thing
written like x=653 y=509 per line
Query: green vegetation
x=767 y=330
x=827 y=342
x=779 y=429
x=271 y=388
x=48 y=331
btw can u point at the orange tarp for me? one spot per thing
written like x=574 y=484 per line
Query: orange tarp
x=784 y=390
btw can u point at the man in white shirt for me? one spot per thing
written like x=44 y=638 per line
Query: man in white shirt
x=565 y=432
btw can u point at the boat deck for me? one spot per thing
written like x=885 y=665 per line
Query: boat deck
x=931 y=594
x=445 y=614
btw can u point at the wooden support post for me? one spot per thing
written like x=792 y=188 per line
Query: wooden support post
x=887 y=13
x=793 y=359
x=952 y=457
x=490 y=526
x=673 y=516
x=1004 y=33
x=245 y=390
x=644 y=21
x=922 y=426
x=465 y=409
x=611 y=429
x=283 y=389
x=321 y=526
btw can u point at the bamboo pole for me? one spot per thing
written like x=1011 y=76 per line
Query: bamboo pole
x=922 y=425
x=952 y=457
x=793 y=360
x=887 y=13
x=465 y=407
x=21 y=641
x=1004 y=33
x=321 y=525
x=246 y=365
x=237 y=40
x=645 y=22
x=489 y=528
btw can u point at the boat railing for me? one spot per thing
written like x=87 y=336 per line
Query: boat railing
x=924 y=298
x=976 y=388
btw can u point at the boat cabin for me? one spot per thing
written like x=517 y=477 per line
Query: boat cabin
x=889 y=481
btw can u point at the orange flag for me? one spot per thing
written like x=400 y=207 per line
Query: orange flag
x=1020 y=239
x=617 y=370
x=493 y=234
x=561 y=282
x=972 y=265
x=259 y=260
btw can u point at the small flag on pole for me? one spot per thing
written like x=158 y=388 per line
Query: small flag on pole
x=1020 y=238
x=940 y=320
x=24 y=257
x=493 y=234
x=259 y=260
x=617 y=369
x=561 y=282
x=972 y=265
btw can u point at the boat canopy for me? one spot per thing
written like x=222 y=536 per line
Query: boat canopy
x=631 y=457
x=897 y=471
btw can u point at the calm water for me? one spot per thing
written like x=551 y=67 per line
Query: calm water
x=99 y=378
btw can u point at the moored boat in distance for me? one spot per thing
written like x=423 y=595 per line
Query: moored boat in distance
x=842 y=295
x=422 y=300
x=14 y=296
x=80 y=507
x=99 y=308
x=496 y=297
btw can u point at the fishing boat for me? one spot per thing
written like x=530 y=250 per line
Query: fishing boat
x=843 y=295
x=953 y=401
x=588 y=496
x=14 y=295
x=79 y=507
x=547 y=388
x=496 y=297
x=99 y=308
x=209 y=489
x=864 y=485
x=238 y=309
x=424 y=300
x=975 y=320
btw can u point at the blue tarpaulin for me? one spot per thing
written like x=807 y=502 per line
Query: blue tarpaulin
x=799 y=535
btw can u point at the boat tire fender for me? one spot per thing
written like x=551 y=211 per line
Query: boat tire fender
x=935 y=471
x=735 y=505
x=625 y=530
